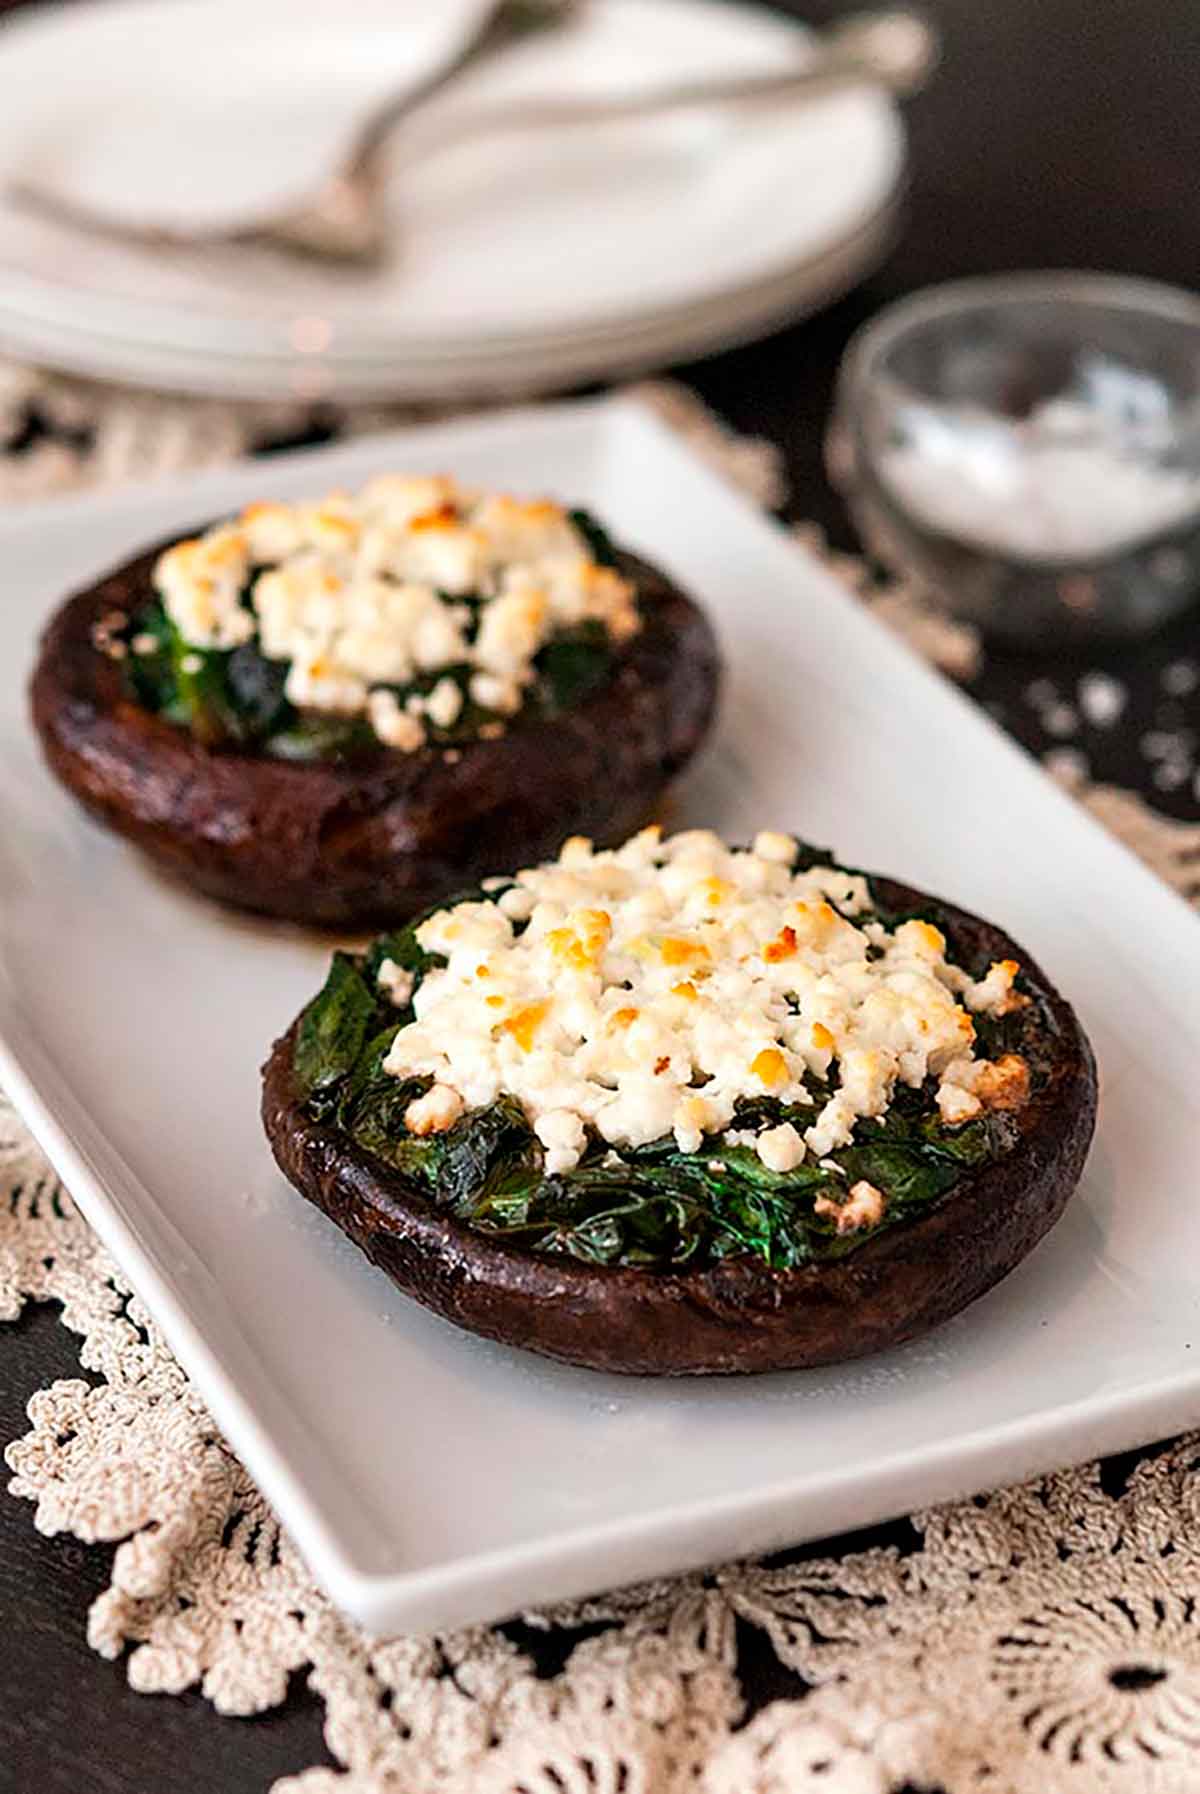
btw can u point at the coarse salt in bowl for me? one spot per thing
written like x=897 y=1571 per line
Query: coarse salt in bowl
x=1028 y=449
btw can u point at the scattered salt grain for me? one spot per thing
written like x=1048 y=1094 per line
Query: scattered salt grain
x=1060 y=719
x=1167 y=744
x=1171 y=566
x=1067 y=767
x=1169 y=775
x=1180 y=678
x=1102 y=699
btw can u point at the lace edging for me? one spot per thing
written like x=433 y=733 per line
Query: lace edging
x=1042 y=1640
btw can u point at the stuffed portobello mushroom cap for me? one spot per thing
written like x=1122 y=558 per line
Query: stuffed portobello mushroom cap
x=738 y=1314
x=371 y=839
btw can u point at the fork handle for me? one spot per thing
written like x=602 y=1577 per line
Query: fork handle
x=896 y=50
x=505 y=22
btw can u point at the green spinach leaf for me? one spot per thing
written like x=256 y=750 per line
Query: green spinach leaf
x=312 y=737
x=657 y=1208
x=599 y=542
x=256 y=691
x=333 y=1029
x=403 y=949
x=573 y=664
x=490 y=1147
x=149 y=667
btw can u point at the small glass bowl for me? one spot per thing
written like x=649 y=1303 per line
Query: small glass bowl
x=1027 y=449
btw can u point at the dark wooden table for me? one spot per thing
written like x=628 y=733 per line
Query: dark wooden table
x=1060 y=133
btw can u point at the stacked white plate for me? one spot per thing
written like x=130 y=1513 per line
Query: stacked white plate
x=522 y=261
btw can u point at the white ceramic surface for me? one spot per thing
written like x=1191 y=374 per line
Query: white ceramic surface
x=506 y=245
x=543 y=367
x=430 y=1477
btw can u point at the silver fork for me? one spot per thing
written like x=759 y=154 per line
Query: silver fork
x=344 y=219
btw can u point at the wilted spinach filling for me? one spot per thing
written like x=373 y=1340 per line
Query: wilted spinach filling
x=659 y=1208
x=235 y=698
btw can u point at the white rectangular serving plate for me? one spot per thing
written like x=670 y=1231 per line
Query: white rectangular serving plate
x=431 y=1478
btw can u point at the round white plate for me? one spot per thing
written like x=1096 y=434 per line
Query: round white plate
x=522 y=243
x=527 y=371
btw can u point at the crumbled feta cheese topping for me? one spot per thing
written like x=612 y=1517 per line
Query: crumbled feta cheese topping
x=969 y=1086
x=434 y=1112
x=648 y=990
x=395 y=981
x=364 y=593
x=780 y=1148
x=394 y=726
x=865 y=1206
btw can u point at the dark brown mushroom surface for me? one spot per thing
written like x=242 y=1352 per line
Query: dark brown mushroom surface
x=366 y=841
x=738 y=1315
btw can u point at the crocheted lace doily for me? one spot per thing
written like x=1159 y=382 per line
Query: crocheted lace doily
x=1042 y=1640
